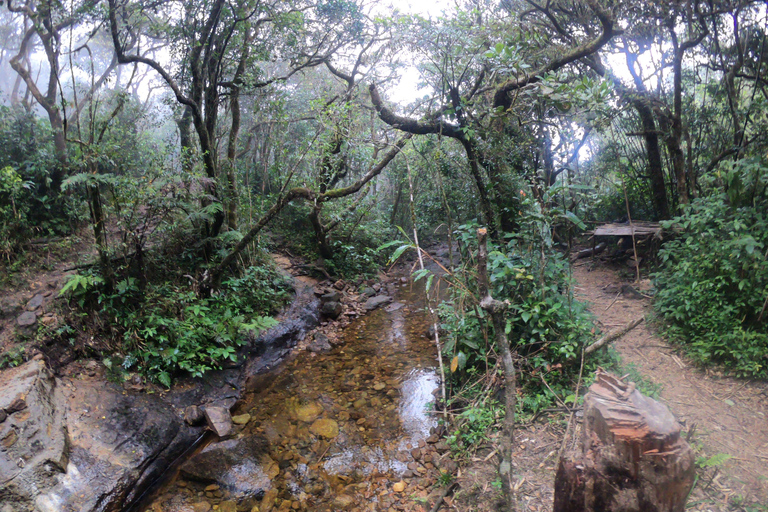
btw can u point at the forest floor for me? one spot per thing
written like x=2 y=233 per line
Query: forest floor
x=723 y=417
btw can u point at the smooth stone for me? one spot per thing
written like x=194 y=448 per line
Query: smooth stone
x=399 y=487
x=307 y=412
x=202 y=506
x=379 y=386
x=325 y=427
x=241 y=419
x=376 y=301
x=211 y=488
x=228 y=506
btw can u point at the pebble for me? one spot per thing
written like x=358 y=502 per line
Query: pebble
x=211 y=488
x=399 y=486
x=241 y=419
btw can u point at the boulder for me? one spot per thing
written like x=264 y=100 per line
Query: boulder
x=331 y=309
x=33 y=440
x=241 y=466
x=82 y=445
x=319 y=343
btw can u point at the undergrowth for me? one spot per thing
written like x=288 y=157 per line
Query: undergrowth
x=713 y=284
x=164 y=328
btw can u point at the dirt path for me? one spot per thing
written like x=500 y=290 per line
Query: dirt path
x=729 y=416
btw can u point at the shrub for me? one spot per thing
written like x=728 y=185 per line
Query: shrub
x=713 y=283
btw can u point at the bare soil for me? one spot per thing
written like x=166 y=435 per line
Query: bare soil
x=722 y=415
x=719 y=414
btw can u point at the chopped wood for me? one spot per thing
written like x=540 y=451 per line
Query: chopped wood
x=613 y=336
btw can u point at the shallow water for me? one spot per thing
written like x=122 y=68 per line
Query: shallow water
x=337 y=429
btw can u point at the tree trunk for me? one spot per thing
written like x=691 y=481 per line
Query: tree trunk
x=495 y=309
x=655 y=167
x=632 y=456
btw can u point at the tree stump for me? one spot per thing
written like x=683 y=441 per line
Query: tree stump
x=632 y=458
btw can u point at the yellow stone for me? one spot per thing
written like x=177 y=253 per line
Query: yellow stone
x=399 y=487
x=325 y=427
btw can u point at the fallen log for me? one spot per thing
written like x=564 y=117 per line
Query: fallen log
x=613 y=336
x=632 y=456
x=586 y=253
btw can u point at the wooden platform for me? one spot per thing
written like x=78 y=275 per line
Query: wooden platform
x=637 y=228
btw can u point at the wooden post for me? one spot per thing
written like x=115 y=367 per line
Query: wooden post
x=632 y=457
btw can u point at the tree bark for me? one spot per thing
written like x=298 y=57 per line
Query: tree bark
x=632 y=456
x=495 y=309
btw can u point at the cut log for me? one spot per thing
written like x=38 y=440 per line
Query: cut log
x=586 y=253
x=632 y=457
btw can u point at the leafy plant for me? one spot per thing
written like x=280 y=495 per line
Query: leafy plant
x=713 y=284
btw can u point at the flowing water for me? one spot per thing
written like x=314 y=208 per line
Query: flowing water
x=345 y=430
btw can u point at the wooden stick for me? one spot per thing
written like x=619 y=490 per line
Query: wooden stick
x=439 y=501
x=613 y=336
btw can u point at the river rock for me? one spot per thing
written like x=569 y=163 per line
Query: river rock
x=26 y=319
x=241 y=419
x=194 y=416
x=343 y=502
x=319 y=343
x=219 y=420
x=228 y=506
x=368 y=291
x=33 y=432
x=306 y=412
x=325 y=427
x=240 y=466
x=35 y=302
x=118 y=444
x=331 y=309
x=376 y=301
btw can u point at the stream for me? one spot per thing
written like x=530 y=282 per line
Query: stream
x=350 y=429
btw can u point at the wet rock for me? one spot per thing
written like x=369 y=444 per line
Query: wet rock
x=228 y=506
x=343 y=502
x=368 y=291
x=240 y=466
x=375 y=302
x=319 y=344
x=26 y=319
x=33 y=432
x=194 y=416
x=306 y=412
x=394 y=306
x=241 y=419
x=219 y=420
x=118 y=444
x=332 y=296
x=202 y=506
x=331 y=309
x=35 y=302
x=325 y=427
x=211 y=488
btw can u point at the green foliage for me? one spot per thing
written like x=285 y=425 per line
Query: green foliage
x=12 y=357
x=713 y=284
x=14 y=210
x=168 y=328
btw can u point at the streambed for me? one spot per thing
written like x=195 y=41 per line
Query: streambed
x=350 y=429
